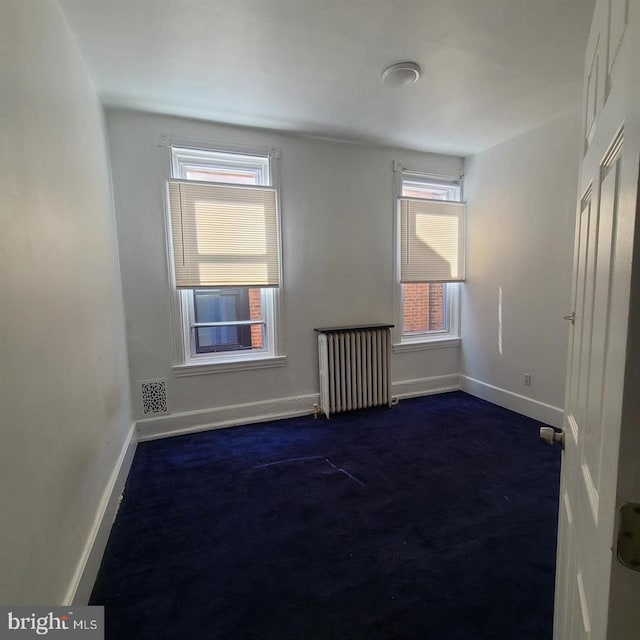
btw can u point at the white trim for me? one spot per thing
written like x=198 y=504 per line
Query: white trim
x=269 y=298
x=400 y=167
x=264 y=151
x=180 y=321
x=267 y=410
x=453 y=306
x=583 y=604
x=229 y=416
x=567 y=507
x=184 y=159
x=87 y=568
x=530 y=407
x=425 y=344
x=425 y=386
x=247 y=364
x=453 y=289
x=573 y=425
x=592 y=492
x=396 y=332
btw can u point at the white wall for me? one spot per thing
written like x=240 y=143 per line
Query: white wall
x=64 y=384
x=337 y=212
x=521 y=206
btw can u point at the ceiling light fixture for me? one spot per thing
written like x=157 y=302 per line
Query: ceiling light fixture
x=401 y=74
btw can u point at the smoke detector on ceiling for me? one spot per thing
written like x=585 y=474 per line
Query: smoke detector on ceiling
x=401 y=74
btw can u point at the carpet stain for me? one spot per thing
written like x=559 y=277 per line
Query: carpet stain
x=346 y=473
x=287 y=461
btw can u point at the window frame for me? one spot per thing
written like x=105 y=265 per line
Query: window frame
x=243 y=326
x=259 y=165
x=414 y=340
x=186 y=361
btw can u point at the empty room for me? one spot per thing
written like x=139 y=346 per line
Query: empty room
x=320 y=320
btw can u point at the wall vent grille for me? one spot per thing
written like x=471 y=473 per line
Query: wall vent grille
x=154 y=396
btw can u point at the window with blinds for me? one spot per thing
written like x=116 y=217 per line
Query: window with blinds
x=225 y=246
x=431 y=241
x=430 y=249
x=224 y=235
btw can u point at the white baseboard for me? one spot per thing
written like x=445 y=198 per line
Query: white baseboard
x=174 y=424
x=87 y=569
x=535 y=409
x=425 y=386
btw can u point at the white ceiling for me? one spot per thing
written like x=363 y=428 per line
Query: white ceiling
x=492 y=68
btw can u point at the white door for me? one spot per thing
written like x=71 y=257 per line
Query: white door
x=596 y=596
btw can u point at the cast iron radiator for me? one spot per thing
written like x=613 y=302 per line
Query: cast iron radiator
x=355 y=367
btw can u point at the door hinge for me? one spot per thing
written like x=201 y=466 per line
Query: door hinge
x=629 y=536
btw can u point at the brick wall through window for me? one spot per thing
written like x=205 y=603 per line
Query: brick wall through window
x=255 y=313
x=423 y=307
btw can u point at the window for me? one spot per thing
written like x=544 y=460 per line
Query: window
x=230 y=306
x=430 y=255
x=223 y=210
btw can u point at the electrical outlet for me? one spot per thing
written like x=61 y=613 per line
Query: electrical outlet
x=527 y=379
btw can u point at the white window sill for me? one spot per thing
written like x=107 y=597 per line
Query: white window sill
x=248 y=364
x=424 y=344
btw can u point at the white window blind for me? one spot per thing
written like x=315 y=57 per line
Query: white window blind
x=431 y=240
x=224 y=235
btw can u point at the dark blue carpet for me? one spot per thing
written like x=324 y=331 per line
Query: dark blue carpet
x=432 y=520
